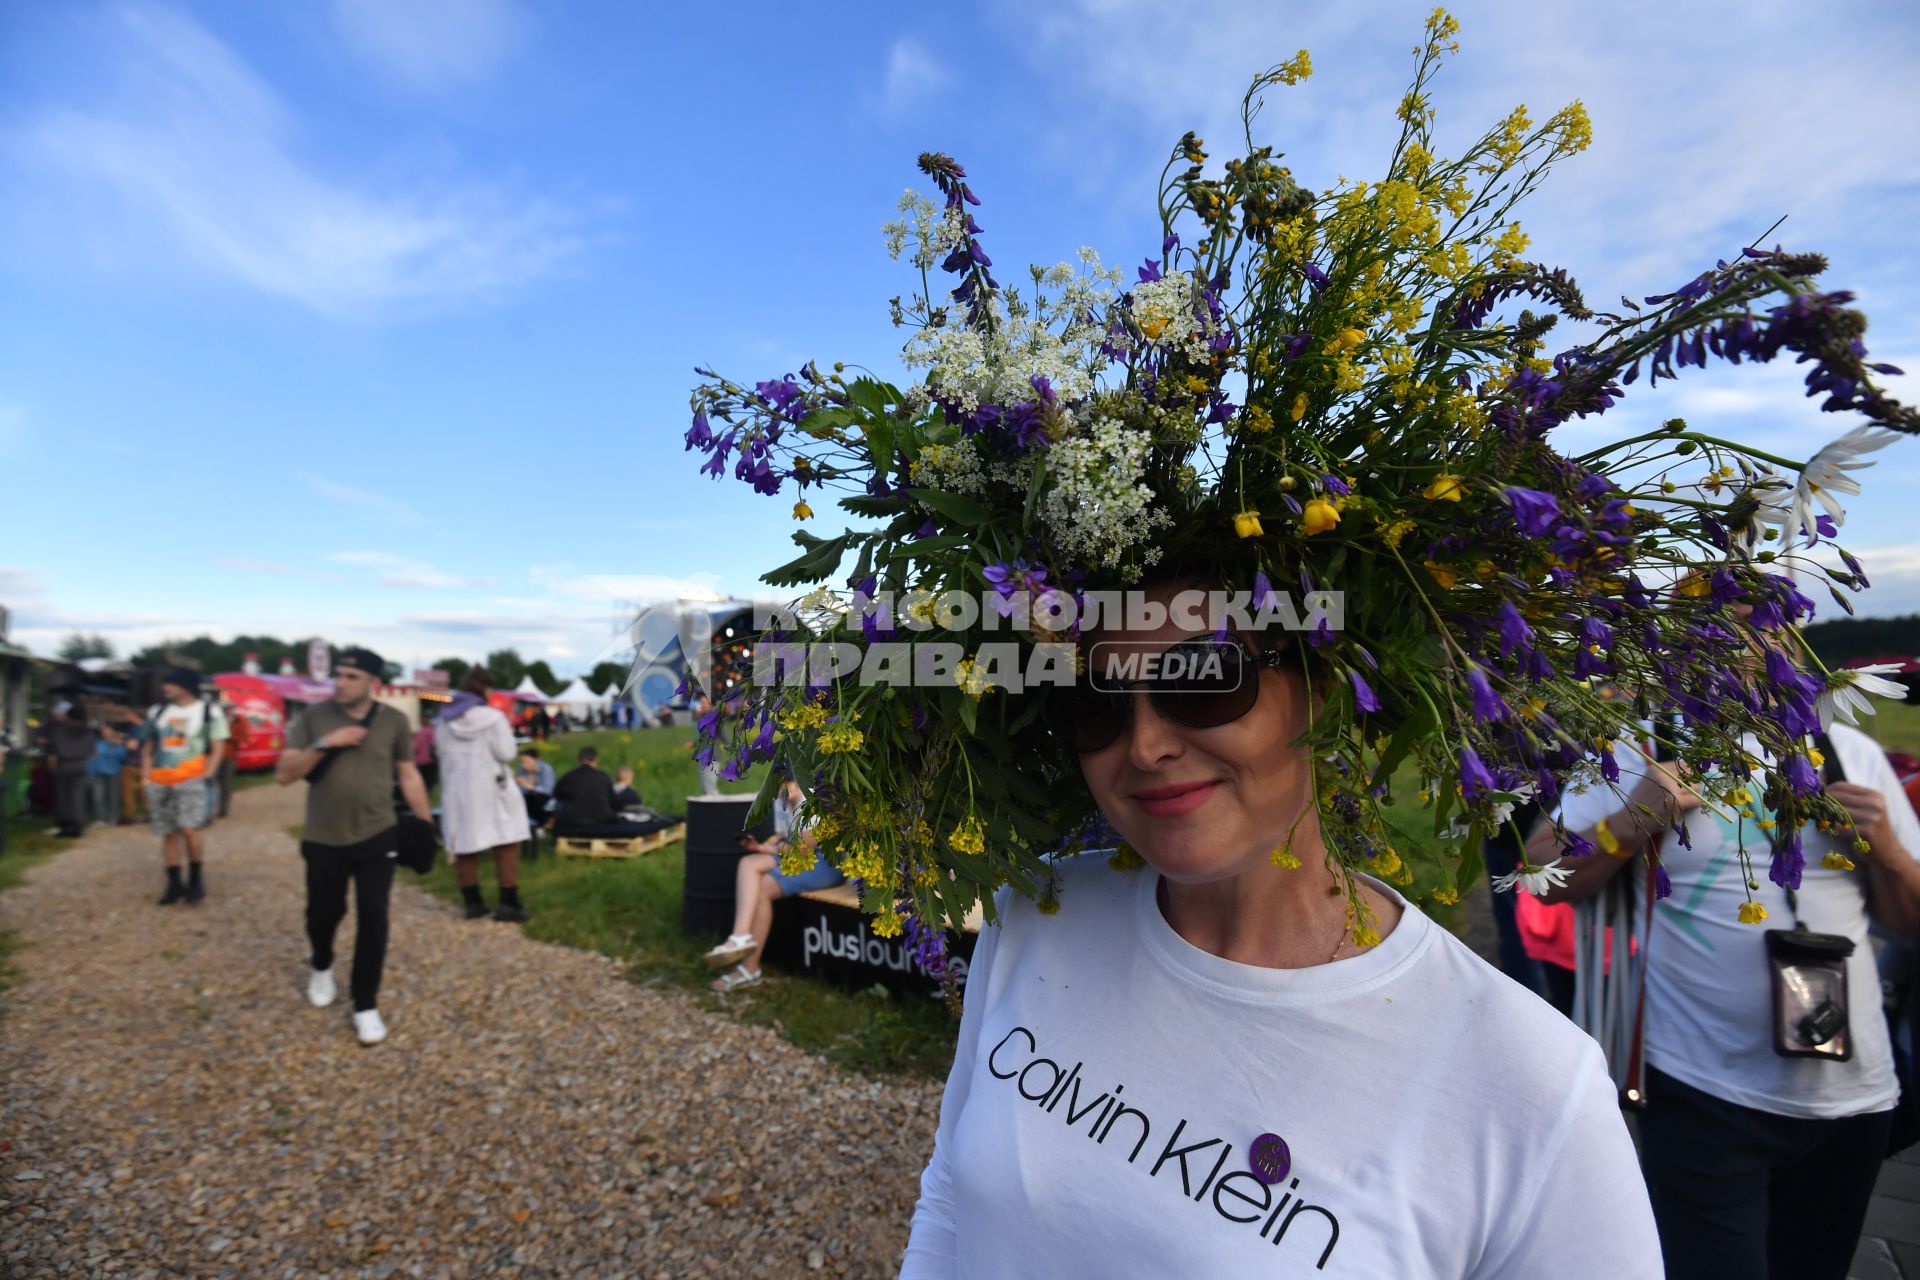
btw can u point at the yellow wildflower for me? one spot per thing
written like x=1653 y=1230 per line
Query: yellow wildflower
x=1441 y=574
x=1396 y=533
x=1125 y=858
x=1446 y=895
x=1319 y=516
x=806 y=716
x=1299 y=409
x=969 y=837
x=1247 y=524
x=1837 y=861
x=841 y=737
x=887 y=924
x=801 y=511
x=1445 y=488
x=1295 y=69
x=1752 y=913
x=1387 y=863
x=1365 y=935
x=1344 y=339
x=1281 y=857
x=1256 y=419
x=1048 y=903
x=797 y=859
x=1814 y=757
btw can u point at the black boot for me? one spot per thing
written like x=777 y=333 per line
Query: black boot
x=176 y=888
x=510 y=911
x=475 y=904
x=196 y=887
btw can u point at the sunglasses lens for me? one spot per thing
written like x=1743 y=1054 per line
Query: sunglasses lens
x=1218 y=685
x=1088 y=719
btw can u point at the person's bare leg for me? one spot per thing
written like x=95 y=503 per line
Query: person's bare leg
x=747 y=877
x=762 y=921
x=506 y=863
x=173 y=846
x=466 y=868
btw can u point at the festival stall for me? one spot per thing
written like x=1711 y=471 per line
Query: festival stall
x=256 y=719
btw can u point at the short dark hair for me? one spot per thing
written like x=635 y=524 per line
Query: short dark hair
x=588 y=755
x=529 y=752
x=478 y=681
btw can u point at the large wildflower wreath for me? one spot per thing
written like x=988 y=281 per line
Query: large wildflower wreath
x=1345 y=389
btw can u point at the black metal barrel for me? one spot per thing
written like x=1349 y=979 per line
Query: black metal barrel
x=714 y=827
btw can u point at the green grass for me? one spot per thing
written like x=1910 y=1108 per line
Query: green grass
x=1894 y=725
x=28 y=845
x=630 y=909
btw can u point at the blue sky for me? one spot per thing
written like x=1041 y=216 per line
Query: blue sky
x=378 y=320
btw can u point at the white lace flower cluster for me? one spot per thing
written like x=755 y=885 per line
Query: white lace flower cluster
x=954 y=468
x=1172 y=313
x=933 y=229
x=1096 y=506
x=1056 y=336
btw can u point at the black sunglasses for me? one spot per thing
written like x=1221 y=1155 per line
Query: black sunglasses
x=1200 y=683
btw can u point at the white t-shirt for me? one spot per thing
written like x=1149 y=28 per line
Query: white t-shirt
x=1709 y=996
x=1110 y=1077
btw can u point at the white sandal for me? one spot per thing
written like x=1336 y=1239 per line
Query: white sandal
x=734 y=949
x=734 y=979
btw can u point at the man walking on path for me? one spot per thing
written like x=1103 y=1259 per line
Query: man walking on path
x=352 y=751
x=182 y=745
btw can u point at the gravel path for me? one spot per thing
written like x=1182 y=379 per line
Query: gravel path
x=171 y=1106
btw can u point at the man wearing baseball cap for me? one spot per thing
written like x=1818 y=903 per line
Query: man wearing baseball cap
x=352 y=750
x=180 y=749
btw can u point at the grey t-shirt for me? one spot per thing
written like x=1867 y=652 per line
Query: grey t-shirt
x=353 y=801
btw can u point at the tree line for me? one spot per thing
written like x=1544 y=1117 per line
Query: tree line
x=207 y=654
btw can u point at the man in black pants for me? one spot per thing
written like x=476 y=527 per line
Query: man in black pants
x=587 y=808
x=352 y=751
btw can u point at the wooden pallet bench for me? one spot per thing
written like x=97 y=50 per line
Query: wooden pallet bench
x=843 y=895
x=618 y=847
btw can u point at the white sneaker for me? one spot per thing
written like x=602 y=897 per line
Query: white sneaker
x=737 y=947
x=368 y=1027
x=322 y=990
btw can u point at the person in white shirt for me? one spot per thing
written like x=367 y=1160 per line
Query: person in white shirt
x=1759 y=1165
x=1204 y=1067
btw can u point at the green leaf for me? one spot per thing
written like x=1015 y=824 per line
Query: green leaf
x=954 y=506
x=873 y=396
x=822 y=557
x=867 y=504
x=1036 y=480
x=1472 y=867
x=880 y=444
x=1418 y=723
x=969 y=711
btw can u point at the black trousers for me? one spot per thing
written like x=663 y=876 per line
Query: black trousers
x=369 y=866
x=1740 y=1194
x=70 y=799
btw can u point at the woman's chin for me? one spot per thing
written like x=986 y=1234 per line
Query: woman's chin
x=1189 y=854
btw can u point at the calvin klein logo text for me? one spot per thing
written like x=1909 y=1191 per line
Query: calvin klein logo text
x=1238 y=1196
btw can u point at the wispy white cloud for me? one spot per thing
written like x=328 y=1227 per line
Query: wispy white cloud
x=404 y=574
x=19 y=585
x=392 y=508
x=912 y=74
x=564 y=583
x=202 y=152
x=431 y=44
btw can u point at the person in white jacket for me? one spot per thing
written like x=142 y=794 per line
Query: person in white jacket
x=481 y=809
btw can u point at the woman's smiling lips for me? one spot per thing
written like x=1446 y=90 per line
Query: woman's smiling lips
x=1173 y=801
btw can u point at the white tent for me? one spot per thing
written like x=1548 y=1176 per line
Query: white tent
x=578 y=699
x=529 y=691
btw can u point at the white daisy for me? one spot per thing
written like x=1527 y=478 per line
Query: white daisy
x=1845 y=693
x=1826 y=474
x=1539 y=881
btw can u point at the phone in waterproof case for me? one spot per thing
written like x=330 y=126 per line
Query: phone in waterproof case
x=1809 y=972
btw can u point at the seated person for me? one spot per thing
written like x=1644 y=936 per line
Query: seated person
x=759 y=883
x=535 y=777
x=624 y=796
x=585 y=804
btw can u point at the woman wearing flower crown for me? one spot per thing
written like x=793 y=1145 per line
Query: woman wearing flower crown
x=1238 y=1040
